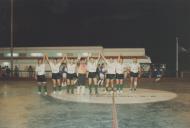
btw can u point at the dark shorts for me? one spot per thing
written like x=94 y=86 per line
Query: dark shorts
x=81 y=79
x=132 y=74
x=41 y=78
x=110 y=76
x=71 y=76
x=119 y=76
x=56 y=76
x=92 y=75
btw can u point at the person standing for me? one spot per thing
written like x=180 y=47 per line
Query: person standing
x=120 y=69
x=56 y=76
x=110 y=76
x=63 y=72
x=16 y=71
x=71 y=74
x=92 y=65
x=81 y=73
x=134 y=69
x=40 y=76
x=30 y=72
x=101 y=74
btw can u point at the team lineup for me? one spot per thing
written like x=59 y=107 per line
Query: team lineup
x=73 y=73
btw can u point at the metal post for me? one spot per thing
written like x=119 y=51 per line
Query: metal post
x=12 y=36
x=177 y=58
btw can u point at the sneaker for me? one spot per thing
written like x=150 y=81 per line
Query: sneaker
x=45 y=93
x=54 y=92
x=111 y=92
x=118 y=92
x=39 y=93
x=121 y=92
x=60 y=92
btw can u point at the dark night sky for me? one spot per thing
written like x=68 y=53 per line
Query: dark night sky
x=152 y=24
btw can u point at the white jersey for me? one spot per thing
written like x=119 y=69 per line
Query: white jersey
x=91 y=67
x=111 y=67
x=40 y=69
x=71 y=68
x=134 y=67
x=120 y=68
x=54 y=67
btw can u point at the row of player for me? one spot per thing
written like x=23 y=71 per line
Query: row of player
x=82 y=68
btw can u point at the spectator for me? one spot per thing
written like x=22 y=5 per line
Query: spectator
x=30 y=71
x=8 y=72
x=16 y=72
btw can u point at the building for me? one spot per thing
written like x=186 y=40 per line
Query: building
x=25 y=56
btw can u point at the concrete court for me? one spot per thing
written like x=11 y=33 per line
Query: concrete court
x=22 y=107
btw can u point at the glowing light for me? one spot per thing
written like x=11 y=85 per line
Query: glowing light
x=59 y=54
x=86 y=54
x=36 y=54
x=14 y=55
x=6 y=64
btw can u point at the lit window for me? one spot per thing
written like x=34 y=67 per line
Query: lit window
x=86 y=54
x=14 y=54
x=6 y=64
x=59 y=54
x=36 y=54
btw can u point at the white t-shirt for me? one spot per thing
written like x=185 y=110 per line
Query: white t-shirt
x=120 y=68
x=71 y=68
x=91 y=67
x=134 y=67
x=111 y=67
x=40 y=69
x=54 y=67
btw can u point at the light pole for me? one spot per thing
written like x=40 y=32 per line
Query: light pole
x=177 y=57
x=12 y=36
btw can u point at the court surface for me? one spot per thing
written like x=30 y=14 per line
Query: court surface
x=22 y=107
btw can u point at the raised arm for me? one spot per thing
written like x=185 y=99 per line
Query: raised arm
x=98 y=57
x=119 y=57
x=47 y=58
x=104 y=59
x=44 y=58
x=63 y=58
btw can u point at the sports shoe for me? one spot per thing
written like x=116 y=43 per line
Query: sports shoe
x=45 y=93
x=39 y=93
x=54 y=92
x=121 y=92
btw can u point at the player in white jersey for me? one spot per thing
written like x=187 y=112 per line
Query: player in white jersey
x=56 y=76
x=110 y=76
x=71 y=74
x=40 y=76
x=134 y=69
x=92 y=74
x=120 y=70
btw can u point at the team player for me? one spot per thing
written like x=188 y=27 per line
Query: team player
x=56 y=76
x=63 y=71
x=81 y=73
x=120 y=70
x=101 y=74
x=71 y=74
x=40 y=75
x=134 y=69
x=92 y=65
x=110 y=76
